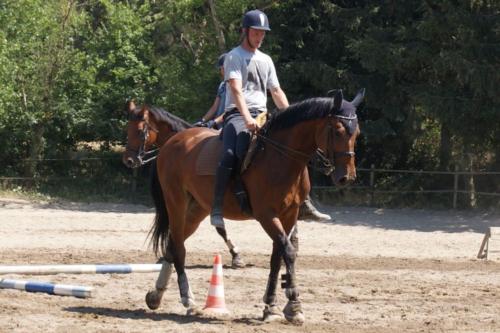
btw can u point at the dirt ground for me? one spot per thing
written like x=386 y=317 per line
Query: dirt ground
x=370 y=270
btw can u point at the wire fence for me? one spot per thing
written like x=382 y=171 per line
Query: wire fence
x=449 y=189
x=108 y=179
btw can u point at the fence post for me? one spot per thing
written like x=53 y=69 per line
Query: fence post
x=372 y=184
x=455 y=187
x=471 y=184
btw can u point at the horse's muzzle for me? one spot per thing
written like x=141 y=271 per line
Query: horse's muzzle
x=131 y=162
x=346 y=180
x=343 y=178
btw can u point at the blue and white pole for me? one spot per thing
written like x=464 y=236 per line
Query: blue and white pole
x=80 y=269
x=46 y=287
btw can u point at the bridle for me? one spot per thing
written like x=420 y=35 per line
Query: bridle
x=327 y=159
x=330 y=156
x=142 y=155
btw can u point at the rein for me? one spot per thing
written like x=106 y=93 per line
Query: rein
x=327 y=161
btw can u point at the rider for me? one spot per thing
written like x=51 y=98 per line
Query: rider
x=213 y=117
x=249 y=74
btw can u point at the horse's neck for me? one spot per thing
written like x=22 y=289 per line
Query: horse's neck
x=299 y=140
x=164 y=132
x=291 y=149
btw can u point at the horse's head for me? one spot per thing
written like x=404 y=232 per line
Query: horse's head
x=337 y=138
x=142 y=133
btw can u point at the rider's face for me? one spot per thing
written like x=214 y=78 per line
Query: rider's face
x=256 y=37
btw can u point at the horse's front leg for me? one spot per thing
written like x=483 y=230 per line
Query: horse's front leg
x=293 y=309
x=271 y=311
x=283 y=248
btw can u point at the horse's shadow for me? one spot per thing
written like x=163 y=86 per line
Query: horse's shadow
x=141 y=314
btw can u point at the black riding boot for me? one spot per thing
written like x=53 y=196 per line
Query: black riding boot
x=221 y=180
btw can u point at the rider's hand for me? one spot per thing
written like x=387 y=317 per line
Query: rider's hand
x=251 y=124
x=200 y=123
x=210 y=123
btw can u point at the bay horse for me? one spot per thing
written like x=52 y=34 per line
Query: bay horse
x=289 y=139
x=152 y=126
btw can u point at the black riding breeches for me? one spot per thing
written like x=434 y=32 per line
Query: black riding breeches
x=235 y=137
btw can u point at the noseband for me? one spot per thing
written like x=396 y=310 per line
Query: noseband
x=142 y=155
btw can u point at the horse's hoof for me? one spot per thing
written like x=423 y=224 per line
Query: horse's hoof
x=293 y=313
x=194 y=311
x=272 y=314
x=237 y=262
x=153 y=300
x=188 y=302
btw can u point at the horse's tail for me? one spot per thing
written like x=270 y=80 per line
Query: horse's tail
x=159 y=231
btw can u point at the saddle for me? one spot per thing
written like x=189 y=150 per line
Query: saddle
x=211 y=150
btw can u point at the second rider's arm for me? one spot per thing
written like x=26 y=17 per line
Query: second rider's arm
x=211 y=112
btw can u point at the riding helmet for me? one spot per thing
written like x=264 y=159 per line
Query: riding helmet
x=256 y=19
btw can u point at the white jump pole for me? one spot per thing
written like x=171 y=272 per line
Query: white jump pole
x=80 y=269
x=46 y=287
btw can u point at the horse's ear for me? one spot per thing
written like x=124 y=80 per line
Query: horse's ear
x=145 y=112
x=359 y=97
x=337 y=100
x=131 y=105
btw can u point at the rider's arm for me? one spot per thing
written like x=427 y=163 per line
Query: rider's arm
x=237 y=92
x=279 y=98
x=211 y=112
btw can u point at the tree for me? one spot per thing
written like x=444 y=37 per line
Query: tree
x=40 y=51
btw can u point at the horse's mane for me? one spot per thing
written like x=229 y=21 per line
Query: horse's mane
x=161 y=115
x=309 y=109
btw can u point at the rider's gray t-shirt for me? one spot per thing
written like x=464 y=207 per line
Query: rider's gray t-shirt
x=257 y=73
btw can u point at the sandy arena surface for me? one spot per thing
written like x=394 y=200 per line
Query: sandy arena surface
x=370 y=270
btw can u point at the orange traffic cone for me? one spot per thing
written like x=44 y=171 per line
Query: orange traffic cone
x=215 y=299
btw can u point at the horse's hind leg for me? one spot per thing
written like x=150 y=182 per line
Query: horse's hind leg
x=177 y=238
x=153 y=297
x=190 y=214
x=237 y=262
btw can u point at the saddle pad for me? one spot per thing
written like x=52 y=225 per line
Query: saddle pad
x=208 y=160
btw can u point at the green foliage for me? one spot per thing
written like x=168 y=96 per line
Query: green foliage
x=430 y=69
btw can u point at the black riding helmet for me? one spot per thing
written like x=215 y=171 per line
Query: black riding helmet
x=256 y=19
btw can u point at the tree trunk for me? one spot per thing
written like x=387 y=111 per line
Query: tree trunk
x=221 y=41
x=35 y=151
x=496 y=163
x=445 y=148
x=471 y=184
